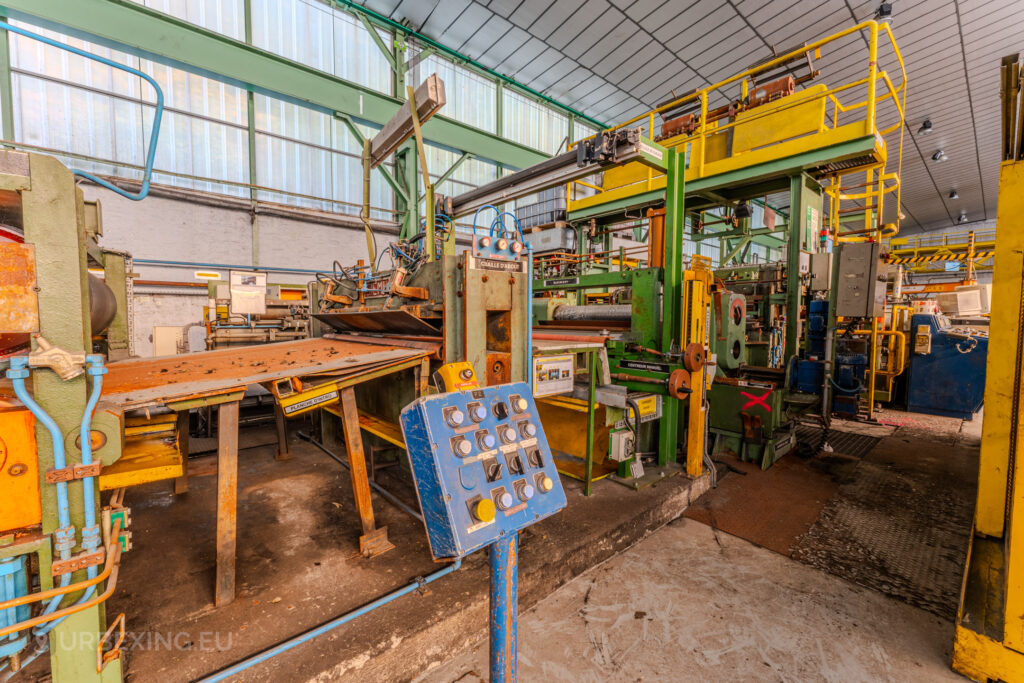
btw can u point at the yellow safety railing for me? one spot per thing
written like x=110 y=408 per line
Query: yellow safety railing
x=897 y=347
x=705 y=143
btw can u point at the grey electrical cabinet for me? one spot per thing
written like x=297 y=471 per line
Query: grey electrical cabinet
x=861 y=282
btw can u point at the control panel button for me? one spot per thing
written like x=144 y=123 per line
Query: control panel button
x=546 y=484
x=500 y=410
x=484 y=510
x=477 y=413
x=455 y=417
x=527 y=429
x=485 y=440
x=519 y=404
x=508 y=435
x=525 y=492
x=462 y=447
x=505 y=500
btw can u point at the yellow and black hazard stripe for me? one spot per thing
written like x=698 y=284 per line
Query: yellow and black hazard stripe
x=978 y=256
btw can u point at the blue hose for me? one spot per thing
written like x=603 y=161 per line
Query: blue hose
x=18 y=373
x=90 y=531
x=291 y=643
x=154 y=134
x=475 y=215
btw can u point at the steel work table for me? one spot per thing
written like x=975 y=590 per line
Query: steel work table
x=220 y=378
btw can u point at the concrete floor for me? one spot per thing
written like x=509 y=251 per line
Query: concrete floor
x=298 y=566
x=690 y=603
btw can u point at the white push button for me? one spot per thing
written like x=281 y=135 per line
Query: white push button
x=456 y=418
x=505 y=500
x=525 y=492
x=463 y=447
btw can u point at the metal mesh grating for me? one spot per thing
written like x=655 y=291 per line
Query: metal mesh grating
x=845 y=443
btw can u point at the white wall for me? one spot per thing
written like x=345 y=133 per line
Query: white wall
x=202 y=231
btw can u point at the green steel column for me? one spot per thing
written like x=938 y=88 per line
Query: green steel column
x=251 y=132
x=672 y=295
x=6 y=85
x=805 y=217
x=115 y=275
x=52 y=218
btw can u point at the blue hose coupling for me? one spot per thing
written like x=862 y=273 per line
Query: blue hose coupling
x=19 y=368
x=95 y=362
x=91 y=537
x=64 y=540
x=17 y=373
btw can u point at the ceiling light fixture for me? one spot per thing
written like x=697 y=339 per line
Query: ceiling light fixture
x=962 y=218
x=925 y=128
x=953 y=194
x=939 y=156
x=884 y=12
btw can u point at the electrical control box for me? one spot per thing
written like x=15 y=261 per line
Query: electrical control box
x=481 y=465
x=861 y=294
x=821 y=272
x=552 y=375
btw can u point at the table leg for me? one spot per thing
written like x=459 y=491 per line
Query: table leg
x=181 y=483
x=227 y=501
x=591 y=391
x=374 y=541
x=283 y=450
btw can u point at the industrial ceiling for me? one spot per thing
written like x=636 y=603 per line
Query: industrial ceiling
x=615 y=59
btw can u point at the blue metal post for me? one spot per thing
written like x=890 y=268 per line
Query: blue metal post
x=504 y=608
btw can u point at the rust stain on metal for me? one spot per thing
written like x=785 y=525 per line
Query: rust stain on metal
x=150 y=381
x=19 y=305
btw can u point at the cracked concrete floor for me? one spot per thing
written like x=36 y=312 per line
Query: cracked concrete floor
x=689 y=603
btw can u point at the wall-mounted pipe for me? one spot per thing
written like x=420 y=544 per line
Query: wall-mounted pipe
x=157 y=115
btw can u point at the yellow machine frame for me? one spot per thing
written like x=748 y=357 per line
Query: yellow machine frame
x=989 y=641
x=788 y=127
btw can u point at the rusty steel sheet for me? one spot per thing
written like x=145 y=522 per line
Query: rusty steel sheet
x=140 y=382
x=19 y=307
x=397 y=321
x=432 y=345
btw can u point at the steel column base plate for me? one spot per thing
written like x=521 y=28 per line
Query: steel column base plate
x=652 y=475
x=375 y=543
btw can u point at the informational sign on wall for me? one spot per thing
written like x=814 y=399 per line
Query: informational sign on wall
x=248 y=293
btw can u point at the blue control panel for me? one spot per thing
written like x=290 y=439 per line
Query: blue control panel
x=481 y=464
x=498 y=247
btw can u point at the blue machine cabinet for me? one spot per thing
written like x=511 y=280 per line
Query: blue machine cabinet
x=947 y=368
x=483 y=471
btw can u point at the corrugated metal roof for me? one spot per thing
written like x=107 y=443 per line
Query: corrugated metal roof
x=618 y=58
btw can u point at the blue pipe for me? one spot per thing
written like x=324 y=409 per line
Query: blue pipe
x=154 y=134
x=90 y=531
x=18 y=373
x=64 y=536
x=291 y=643
x=504 y=558
x=475 y=215
x=519 y=227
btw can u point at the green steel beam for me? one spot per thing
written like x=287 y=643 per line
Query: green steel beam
x=6 y=87
x=593 y=280
x=765 y=178
x=372 y=30
x=127 y=26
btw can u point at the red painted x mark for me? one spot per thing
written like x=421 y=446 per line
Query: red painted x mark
x=758 y=400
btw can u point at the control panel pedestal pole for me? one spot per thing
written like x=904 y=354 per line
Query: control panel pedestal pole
x=504 y=608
